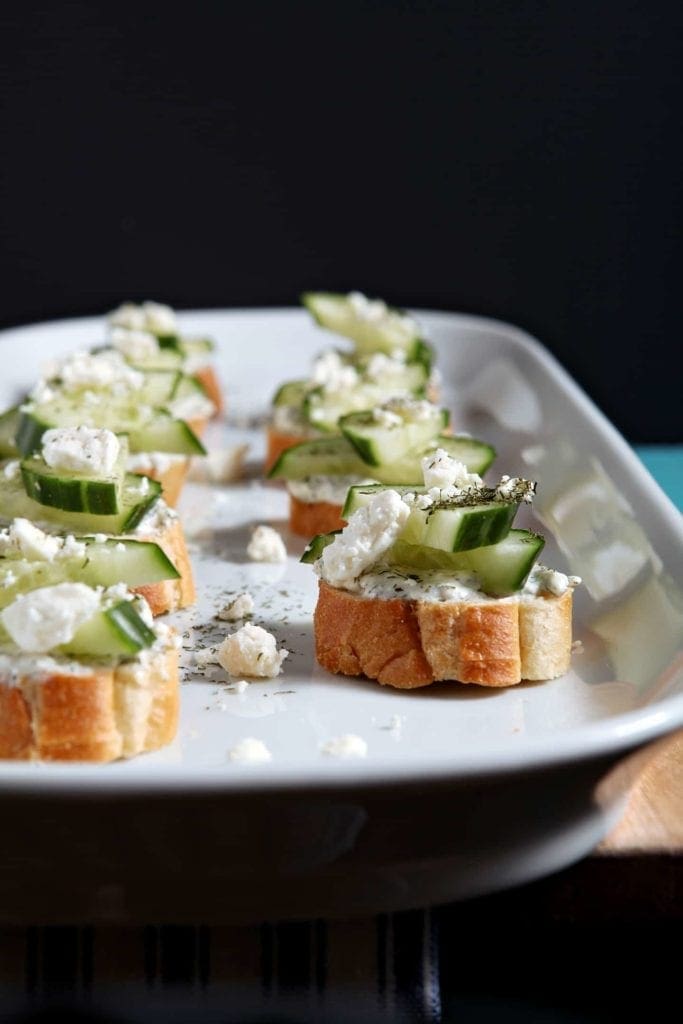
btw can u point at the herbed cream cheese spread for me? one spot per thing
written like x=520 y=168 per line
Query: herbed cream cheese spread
x=331 y=489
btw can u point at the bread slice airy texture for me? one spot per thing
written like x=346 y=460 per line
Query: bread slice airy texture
x=408 y=644
x=92 y=715
x=169 y=595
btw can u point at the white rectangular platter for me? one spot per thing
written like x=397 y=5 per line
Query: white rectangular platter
x=604 y=517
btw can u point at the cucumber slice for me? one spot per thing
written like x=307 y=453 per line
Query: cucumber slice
x=75 y=492
x=392 y=331
x=148 y=429
x=317 y=545
x=111 y=633
x=133 y=562
x=137 y=498
x=384 y=445
x=292 y=392
x=336 y=456
x=502 y=568
x=9 y=422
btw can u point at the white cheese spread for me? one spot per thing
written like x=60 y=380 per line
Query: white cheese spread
x=239 y=608
x=136 y=346
x=92 y=451
x=149 y=316
x=333 y=373
x=266 y=545
x=44 y=619
x=105 y=369
x=251 y=651
x=192 y=407
x=331 y=489
x=410 y=410
x=156 y=462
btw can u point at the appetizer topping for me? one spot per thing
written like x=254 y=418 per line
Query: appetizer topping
x=251 y=651
x=44 y=619
x=348 y=745
x=191 y=407
x=385 y=417
x=330 y=489
x=221 y=466
x=25 y=540
x=94 y=370
x=157 y=462
x=239 y=608
x=250 y=751
x=442 y=471
x=149 y=316
x=376 y=311
x=333 y=373
x=89 y=450
x=266 y=545
x=381 y=367
x=550 y=580
x=11 y=470
x=137 y=346
x=416 y=585
x=410 y=410
x=371 y=531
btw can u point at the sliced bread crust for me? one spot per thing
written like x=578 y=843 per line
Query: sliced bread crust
x=278 y=442
x=306 y=518
x=170 y=595
x=208 y=378
x=408 y=644
x=172 y=479
x=101 y=715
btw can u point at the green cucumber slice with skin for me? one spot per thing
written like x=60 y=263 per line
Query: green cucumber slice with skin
x=381 y=445
x=292 y=392
x=114 y=632
x=147 y=429
x=137 y=498
x=105 y=563
x=450 y=525
x=502 y=569
x=317 y=545
x=9 y=423
x=336 y=456
x=335 y=313
x=75 y=492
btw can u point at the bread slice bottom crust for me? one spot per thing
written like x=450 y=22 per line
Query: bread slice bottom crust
x=170 y=595
x=105 y=714
x=306 y=518
x=408 y=644
x=278 y=442
x=208 y=378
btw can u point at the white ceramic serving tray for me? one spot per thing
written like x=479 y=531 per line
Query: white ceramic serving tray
x=604 y=517
x=463 y=790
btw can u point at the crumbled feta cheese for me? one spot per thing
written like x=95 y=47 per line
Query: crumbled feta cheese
x=440 y=470
x=29 y=542
x=11 y=470
x=550 y=580
x=150 y=316
x=375 y=311
x=251 y=651
x=42 y=392
x=155 y=462
x=410 y=410
x=239 y=608
x=88 y=450
x=266 y=545
x=330 y=489
x=368 y=534
x=220 y=467
x=381 y=368
x=192 y=407
x=515 y=488
x=136 y=346
x=105 y=369
x=208 y=656
x=144 y=611
x=250 y=751
x=386 y=418
x=348 y=745
x=333 y=373
x=46 y=618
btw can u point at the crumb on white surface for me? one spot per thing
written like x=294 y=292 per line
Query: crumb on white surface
x=251 y=651
x=266 y=545
x=239 y=608
x=207 y=656
x=250 y=751
x=348 y=745
x=241 y=686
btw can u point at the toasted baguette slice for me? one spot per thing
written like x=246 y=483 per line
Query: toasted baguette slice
x=407 y=644
x=169 y=595
x=208 y=378
x=306 y=518
x=278 y=442
x=172 y=478
x=67 y=714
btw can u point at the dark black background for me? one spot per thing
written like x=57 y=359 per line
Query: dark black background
x=515 y=159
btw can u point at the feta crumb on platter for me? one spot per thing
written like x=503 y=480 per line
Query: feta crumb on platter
x=348 y=745
x=266 y=545
x=250 y=751
x=251 y=651
x=219 y=467
x=239 y=608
